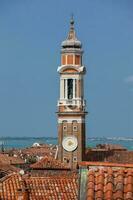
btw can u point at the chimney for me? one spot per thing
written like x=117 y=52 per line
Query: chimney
x=23 y=194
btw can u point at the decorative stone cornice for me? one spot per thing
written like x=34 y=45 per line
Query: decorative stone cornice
x=80 y=69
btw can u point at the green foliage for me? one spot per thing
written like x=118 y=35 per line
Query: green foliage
x=31 y=160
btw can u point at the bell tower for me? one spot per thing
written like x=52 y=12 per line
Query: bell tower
x=71 y=105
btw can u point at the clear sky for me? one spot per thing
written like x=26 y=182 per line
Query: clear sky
x=31 y=32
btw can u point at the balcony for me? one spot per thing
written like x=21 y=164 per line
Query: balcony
x=72 y=102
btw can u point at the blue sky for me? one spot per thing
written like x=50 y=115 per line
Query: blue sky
x=30 y=37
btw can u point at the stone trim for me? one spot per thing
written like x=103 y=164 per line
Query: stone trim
x=78 y=69
x=70 y=120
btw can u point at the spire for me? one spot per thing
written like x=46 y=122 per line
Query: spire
x=72 y=22
x=71 y=34
x=71 y=41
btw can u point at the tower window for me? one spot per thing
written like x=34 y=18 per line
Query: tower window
x=74 y=159
x=75 y=88
x=65 y=160
x=70 y=88
x=64 y=128
x=70 y=59
x=64 y=88
x=75 y=128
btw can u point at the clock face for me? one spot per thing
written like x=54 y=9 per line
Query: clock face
x=70 y=143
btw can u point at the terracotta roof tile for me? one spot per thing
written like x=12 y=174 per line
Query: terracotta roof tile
x=39 y=188
x=110 y=182
x=6 y=169
x=128 y=196
x=91 y=184
x=39 y=151
x=52 y=188
x=6 y=159
x=106 y=164
x=48 y=163
x=10 y=186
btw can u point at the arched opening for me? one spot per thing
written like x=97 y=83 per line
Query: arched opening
x=70 y=88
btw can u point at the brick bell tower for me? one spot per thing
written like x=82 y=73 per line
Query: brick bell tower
x=71 y=105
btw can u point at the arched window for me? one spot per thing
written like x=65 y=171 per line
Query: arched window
x=75 y=125
x=64 y=125
x=70 y=88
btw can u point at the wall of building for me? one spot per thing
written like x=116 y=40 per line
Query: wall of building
x=47 y=173
x=110 y=156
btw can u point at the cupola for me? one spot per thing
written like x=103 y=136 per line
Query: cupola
x=71 y=41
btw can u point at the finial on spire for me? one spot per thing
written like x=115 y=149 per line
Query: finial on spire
x=72 y=41
x=72 y=20
x=71 y=34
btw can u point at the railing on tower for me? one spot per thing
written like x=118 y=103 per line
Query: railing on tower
x=73 y=102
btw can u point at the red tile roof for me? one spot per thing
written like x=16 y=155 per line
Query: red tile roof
x=109 y=184
x=109 y=181
x=52 y=188
x=9 y=187
x=43 y=188
x=105 y=181
x=39 y=151
x=6 y=159
x=48 y=163
x=7 y=169
x=105 y=164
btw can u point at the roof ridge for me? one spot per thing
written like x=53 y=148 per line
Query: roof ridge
x=8 y=176
x=105 y=164
x=48 y=161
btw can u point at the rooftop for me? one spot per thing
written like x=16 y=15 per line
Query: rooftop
x=13 y=160
x=108 y=181
x=98 y=180
x=49 y=188
x=48 y=163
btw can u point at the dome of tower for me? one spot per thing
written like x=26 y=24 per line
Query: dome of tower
x=71 y=44
x=71 y=41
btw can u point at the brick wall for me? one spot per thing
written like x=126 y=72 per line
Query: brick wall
x=110 y=156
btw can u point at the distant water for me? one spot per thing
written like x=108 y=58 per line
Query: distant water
x=22 y=142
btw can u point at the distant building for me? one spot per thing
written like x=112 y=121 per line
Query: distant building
x=48 y=166
x=113 y=153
